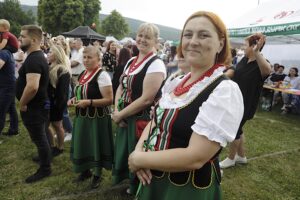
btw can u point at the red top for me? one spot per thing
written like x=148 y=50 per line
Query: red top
x=11 y=39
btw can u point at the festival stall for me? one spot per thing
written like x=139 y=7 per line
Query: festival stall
x=279 y=20
x=84 y=32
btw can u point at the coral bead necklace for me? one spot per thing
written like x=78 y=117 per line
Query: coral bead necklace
x=181 y=89
x=84 y=78
x=134 y=65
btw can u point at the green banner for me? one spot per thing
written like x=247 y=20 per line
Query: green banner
x=269 y=30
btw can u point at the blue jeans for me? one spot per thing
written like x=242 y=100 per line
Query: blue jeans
x=67 y=124
x=7 y=104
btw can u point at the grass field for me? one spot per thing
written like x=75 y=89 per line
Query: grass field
x=273 y=172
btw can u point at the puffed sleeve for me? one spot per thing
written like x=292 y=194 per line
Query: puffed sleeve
x=220 y=116
x=104 y=79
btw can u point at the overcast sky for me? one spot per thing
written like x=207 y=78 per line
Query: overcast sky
x=172 y=13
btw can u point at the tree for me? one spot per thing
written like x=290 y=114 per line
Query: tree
x=58 y=16
x=11 y=11
x=91 y=12
x=115 y=25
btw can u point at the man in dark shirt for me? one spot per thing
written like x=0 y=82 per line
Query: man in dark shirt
x=250 y=75
x=279 y=75
x=31 y=91
x=7 y=92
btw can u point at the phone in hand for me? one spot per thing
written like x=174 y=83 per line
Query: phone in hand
x=253 y=40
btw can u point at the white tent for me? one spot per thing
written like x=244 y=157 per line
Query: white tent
x=127 y=39
x=279 y=20
x=110 y=38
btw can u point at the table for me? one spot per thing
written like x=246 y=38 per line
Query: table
x=284 y=90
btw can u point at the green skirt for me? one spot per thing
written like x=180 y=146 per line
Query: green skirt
x=92 y=143
x=163 y=189
x=125 y=143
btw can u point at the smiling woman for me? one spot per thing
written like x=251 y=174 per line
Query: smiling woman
x=139 y=88
x=191 y=121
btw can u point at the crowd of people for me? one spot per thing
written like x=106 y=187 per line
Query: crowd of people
x=278 y=79
x=175 y=108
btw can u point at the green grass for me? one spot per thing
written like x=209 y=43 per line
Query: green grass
x=273 y=177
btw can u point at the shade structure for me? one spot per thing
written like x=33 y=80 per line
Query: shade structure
x=84 y=32
x=127 y=39
x=279 y=20
x=111 y=38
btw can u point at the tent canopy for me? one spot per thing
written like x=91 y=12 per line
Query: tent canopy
x=84 y=32
x=111 y=38
x=277 y=19
x=127 y=39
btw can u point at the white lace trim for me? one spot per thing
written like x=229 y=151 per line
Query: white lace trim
x=168 y=102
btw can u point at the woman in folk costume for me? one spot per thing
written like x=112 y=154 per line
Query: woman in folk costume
x=92 y=142
x=139 y=88
x=177 y=154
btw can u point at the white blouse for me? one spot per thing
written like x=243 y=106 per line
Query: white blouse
x=219 y=116
x=156 y=66
x=103 y=79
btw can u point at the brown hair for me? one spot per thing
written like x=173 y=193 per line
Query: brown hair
x=108 y=46
x=33 y=31
x=124 y=56
x=224 y=57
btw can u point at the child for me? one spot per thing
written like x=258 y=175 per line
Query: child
x=7 y=39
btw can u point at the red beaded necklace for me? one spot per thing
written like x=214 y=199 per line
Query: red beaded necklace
x=134 y=66
x=181 y=89
x=83 y=80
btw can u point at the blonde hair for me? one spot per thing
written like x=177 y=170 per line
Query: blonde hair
x=91 y=48
x=150 y=29
x=4 y=23
x=60 y=63
x=64 y=44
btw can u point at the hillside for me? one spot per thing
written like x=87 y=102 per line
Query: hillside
x=167 y=33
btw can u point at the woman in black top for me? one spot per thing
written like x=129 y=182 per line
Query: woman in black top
x=110 y=58
x=123 y=58
x=59 y=80
x=250 y=74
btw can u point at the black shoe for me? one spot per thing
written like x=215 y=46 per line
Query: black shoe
x=56 y=151
x=38 y=175
x=95 y=182
x=83 y=176
x=10 y=133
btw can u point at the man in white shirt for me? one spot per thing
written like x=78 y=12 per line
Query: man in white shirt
x=76 y=61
